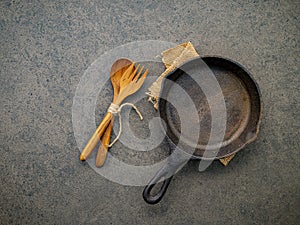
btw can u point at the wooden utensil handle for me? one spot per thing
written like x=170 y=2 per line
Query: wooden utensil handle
x=103 y=147
x=96 y=137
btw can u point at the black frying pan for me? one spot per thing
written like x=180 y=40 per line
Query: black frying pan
x=238 y=93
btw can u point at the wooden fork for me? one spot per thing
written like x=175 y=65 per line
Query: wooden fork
x=130 y=82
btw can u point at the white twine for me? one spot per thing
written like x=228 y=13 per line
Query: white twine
x=116 y=110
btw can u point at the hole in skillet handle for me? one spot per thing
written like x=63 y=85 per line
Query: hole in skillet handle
x=154 y=199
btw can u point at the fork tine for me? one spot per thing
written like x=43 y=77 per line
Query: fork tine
x=142 y=79
x=138 y=75
x=145 y=74
x=128 y=72
x=134 y=72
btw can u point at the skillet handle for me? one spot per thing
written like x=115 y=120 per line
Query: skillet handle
x=154 y=199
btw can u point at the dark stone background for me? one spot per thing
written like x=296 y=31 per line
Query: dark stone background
x=45 y=48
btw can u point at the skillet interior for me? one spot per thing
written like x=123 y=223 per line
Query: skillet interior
x=242 y=101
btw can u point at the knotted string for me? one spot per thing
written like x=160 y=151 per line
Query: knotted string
x=116 y=110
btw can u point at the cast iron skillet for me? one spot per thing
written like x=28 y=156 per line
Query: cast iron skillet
x=243 y=111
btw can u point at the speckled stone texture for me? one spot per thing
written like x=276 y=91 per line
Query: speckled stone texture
x=45 y=47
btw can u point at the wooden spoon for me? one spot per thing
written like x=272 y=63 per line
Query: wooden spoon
x=131 y=82
x=116 y=72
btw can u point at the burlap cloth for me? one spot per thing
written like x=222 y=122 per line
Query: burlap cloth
x=172 y=58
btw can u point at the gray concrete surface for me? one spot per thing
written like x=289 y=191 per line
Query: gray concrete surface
x=45 y=48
